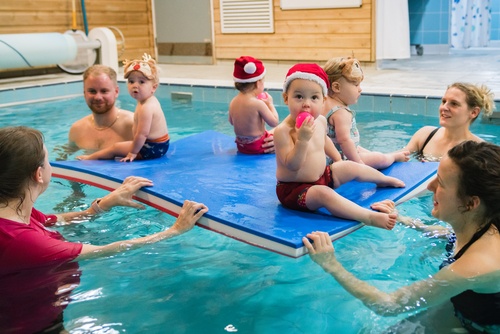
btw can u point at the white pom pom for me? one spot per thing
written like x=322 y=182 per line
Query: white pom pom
x=250 y=68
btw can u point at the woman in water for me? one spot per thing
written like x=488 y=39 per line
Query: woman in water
x=460 y=107
x=38 y=268
x=466 y=195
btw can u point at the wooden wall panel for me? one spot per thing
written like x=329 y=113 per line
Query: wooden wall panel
x=300 y=35
x=132 y=18
x=304 y=35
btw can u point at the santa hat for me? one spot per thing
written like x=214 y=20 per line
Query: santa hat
x=146 y=66
x=305 y=71
x=248 y=69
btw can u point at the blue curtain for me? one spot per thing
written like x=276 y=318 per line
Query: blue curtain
x=470 y=23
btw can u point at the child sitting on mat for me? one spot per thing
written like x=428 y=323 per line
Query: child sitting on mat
x=303 y=182
x=151 y=139
x=345 y=76
x=252 y=108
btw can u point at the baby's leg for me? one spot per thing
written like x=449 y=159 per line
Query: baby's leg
x=345 y=171
x=118 y=149
x=380 y=160
x=325 y=197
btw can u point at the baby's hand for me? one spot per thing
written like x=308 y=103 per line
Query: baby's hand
x=130 y=157
x=266 y=98
x=306 y=130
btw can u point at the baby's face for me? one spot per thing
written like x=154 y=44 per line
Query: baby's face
x=304 y=95
x=139 y=86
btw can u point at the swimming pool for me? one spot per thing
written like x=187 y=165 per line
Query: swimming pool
x=203 y=282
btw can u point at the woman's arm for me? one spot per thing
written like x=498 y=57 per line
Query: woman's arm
x=122 y=196
x=436 y=231
x=190 y=213
x=441 y=287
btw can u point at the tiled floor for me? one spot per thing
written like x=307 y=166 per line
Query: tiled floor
x=426 y=75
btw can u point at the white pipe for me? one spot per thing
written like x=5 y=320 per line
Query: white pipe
x=37 y=49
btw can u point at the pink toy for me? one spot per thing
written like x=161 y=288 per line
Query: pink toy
x=262 y=96
x=301 y=117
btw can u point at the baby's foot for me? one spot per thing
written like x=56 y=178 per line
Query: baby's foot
x=382 y=220
x=389 y=181
x=401 y=156
x=83 y=157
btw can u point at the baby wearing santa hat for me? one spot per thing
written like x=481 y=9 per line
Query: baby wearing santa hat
x=305 y=183
x=252 y=108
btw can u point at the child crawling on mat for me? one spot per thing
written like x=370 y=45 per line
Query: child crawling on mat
x=252 y=108
x=303 y=181
x=151 y=139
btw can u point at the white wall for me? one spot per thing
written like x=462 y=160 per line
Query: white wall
x=183 y=21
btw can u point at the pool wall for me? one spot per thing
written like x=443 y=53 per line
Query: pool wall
x=396 y=103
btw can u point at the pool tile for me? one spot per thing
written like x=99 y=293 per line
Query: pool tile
x=381 y=103
x=416 y=106
x=432 y=107
x=399 y=104
x=365 y=103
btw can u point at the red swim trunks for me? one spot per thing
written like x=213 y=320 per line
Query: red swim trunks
x=252 y=147
x=293 y=194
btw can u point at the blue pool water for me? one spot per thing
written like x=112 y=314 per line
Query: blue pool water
x=202 y=282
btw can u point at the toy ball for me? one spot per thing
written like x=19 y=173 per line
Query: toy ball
x=262 y=96
x=301 y=117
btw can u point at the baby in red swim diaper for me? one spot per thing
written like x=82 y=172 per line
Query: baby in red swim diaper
x=252 y=108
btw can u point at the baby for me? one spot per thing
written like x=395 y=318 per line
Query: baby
x=251 y=109
x=345 y=76
x=303 y=181
x=151 y=139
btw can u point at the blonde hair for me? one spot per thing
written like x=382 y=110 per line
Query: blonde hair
x=98 y=69
x=477 y=96
x=347 y=67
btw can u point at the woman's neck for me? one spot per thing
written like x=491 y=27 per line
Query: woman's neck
x=15 y=213
x=456 y=135
x=466 y=229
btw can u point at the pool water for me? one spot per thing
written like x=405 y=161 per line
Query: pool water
x=203 y=282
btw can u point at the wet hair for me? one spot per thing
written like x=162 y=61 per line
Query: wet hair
x=21 y=153
x=479 y=165
x=477 y=96
x=96 y=70
x=346 y=67
x=245 y=86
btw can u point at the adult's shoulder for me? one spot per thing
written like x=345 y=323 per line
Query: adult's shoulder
x=426 y=129
x=126 y=113
x=79 y=125
x=423 y=133
x=126 y=116
x=418 y=138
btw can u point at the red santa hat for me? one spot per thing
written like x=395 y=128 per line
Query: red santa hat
x=248 y=69
x=312 y=72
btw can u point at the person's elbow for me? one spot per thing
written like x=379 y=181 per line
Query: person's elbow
x=385 y=309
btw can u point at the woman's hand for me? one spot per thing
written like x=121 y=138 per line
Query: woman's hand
x=385 y=206
x=122 y=196
x=321 y=250
x=190 y=213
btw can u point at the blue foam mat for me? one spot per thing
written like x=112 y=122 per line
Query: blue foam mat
x=238 y=189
